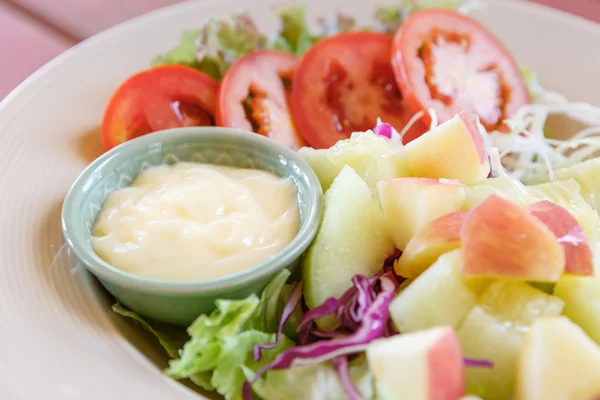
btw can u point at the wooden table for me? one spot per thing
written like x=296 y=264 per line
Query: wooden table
x=34 y=31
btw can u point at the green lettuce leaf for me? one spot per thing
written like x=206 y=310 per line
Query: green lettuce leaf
x=222 y=342
x=390 y=15
x=294 y=36
x=216 y=351
x=215 y=46
x=171 y=338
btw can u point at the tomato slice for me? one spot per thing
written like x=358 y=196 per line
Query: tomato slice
x=163 y=97
x=253 y=96
x=450 y=62
x=342 y=84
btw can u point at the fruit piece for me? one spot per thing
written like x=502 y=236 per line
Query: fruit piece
x=453 y=150
x=501 y=239
x=504 y=186
x=578 y=254
x=586 y=174
x=438 y=237
x=494 y=331
x=372 y=157
x=437 y=297
x=567 y=194
x=409 y=204
x=351 y=240
x=558 y=362
x=582 y=302
x=425 y=365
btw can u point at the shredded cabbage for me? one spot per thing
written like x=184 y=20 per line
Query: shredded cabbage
x=526 y=151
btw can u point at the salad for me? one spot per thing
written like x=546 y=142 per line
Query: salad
x=459 y=250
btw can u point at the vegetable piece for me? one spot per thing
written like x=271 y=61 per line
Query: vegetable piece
x=501 y=239
x=171 y=338
x=410 y=204
x=494 y=330
x=438 y=237
x=582 y=302
x=558 y=361
x=294 y=36
x=372 y=326
x=426 y=365
x=438 y=297
x=351 y=240
x=578 y=254
x=218 y=354
x=343 y=84
x=450 y=62
x=253 y=96
x=159 y=98
x=372 y=157
x=217 y=44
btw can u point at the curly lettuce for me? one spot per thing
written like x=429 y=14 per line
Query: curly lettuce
x=216 y=351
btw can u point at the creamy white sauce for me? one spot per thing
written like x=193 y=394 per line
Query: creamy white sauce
x=196 y=221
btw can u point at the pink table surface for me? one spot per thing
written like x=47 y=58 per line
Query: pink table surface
x=33 y=32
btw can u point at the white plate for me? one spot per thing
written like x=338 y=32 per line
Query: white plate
x=59 y=340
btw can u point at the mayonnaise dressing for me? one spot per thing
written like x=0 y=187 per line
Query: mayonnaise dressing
x=190 y=221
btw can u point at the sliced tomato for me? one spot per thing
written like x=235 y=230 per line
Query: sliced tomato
x=163 y=97
x=253 y=96
x=450 y=62
x=342 y=84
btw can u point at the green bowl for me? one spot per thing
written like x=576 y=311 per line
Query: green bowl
x=181 y=303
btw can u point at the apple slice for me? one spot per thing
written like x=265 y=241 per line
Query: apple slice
x=409 y=204
x=439 y=296
x=453 y=150
x=578 y=254
x=425 y=365
x=582 y=302
x=438 y=237
x=558 y=362
x=501 y=239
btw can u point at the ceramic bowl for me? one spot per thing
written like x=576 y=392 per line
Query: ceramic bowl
x=181 y=302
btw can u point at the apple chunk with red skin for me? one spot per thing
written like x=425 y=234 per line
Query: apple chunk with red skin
x=438 y=237
x=578 y=254
x=452 y=150
x=409 y=204
x=424 y=365
x=503 y=240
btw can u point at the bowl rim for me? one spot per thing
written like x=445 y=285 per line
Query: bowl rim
x=288 y=255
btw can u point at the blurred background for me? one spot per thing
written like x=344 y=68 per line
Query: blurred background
x=33 y=32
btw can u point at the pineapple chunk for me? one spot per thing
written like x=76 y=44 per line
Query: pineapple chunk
x=558 y=362
x=504 y=186
x=494 y=330
x=582 y=302
x=372 y=157
x=352 y=239
x=586 y=174
x=437 y=297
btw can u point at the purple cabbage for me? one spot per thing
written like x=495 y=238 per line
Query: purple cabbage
x=474 y=363
x=386 y=130
x=364 y=317
x=288 y=310
x=343 y=370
